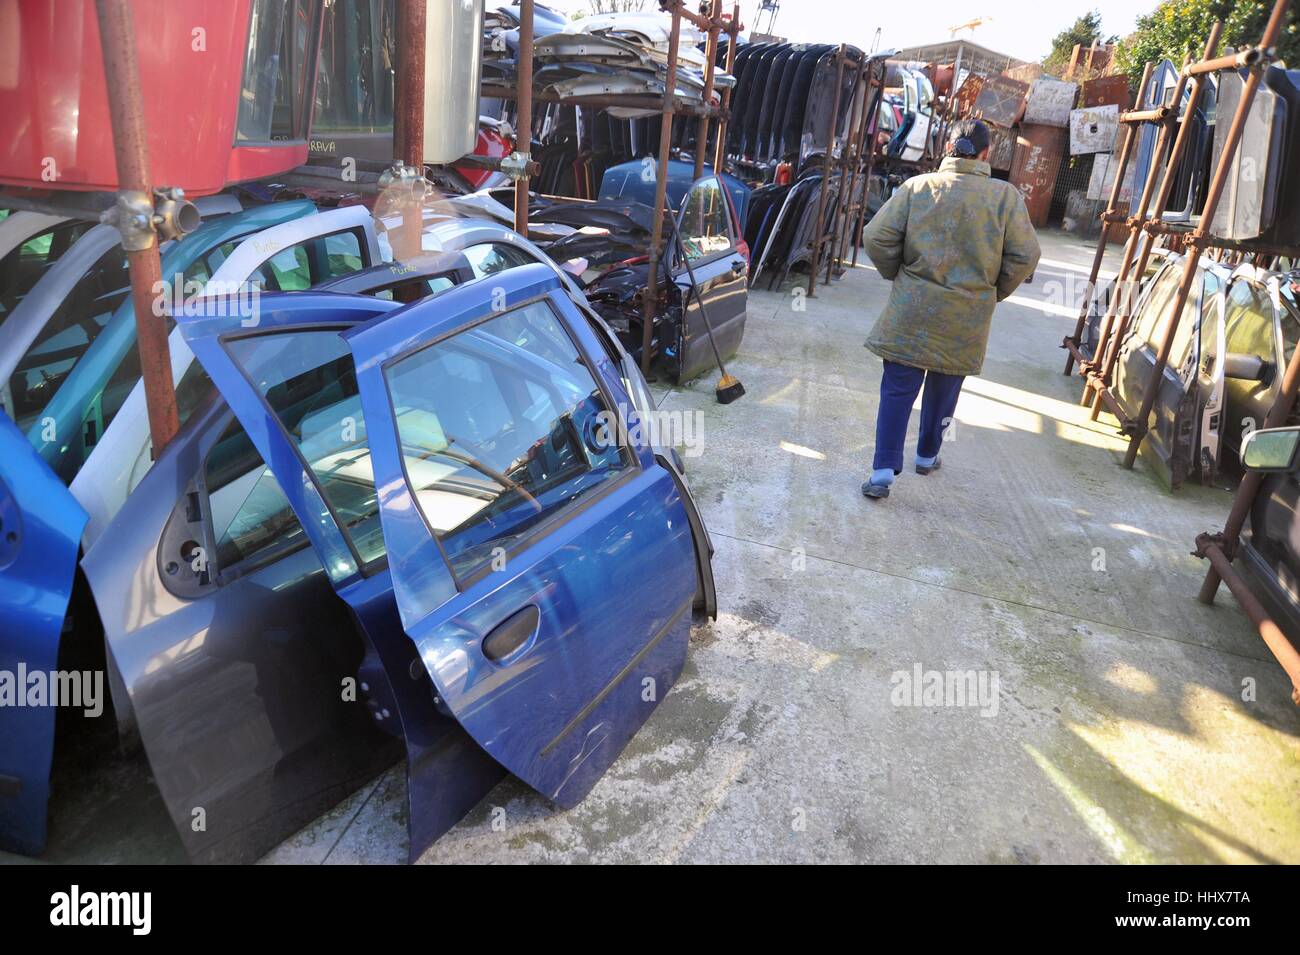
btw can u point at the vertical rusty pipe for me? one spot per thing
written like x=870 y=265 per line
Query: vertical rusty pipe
x=1125 y=152
x=410 y=95
x=1108 y=362
x=1122 y=283
x=823 y=194
x=720 y=148
x=524 y=109
x=1164 y=159
x=1217 y=185
x=651 y=304
x=860 y=135
x=126 y=108
x=711 y=58
x=848 y=159
x=870 y=141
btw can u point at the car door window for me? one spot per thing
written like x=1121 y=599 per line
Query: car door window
x=1185 y=334
x=204 y=267
x=308 y=379
x=704 y=226
x=502 y=427
x=1156 y=311
x=416 y=289
x=251 y=517
x=303 y=265
x=1248 y=328
x=23 y=266
x=490 y=257
x=66 y=336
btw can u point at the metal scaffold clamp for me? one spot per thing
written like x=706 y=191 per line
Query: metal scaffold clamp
x=141 y=220
x=517 y=165
x=401 y=178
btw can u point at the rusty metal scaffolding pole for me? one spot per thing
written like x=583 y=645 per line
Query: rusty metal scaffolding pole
x=409 y=97
x=651 y=303
x=135 y=215
x=1137 y=429
x=848 y=161
x=733 y=33
x=833 y=124
x=1106 y=363
x=1135 y=221
x=711 y=58
x=524 y=111
x=1108 y=219
x=1097 y=373
x=870 y=141
x=1282 y=649
x=850 y=209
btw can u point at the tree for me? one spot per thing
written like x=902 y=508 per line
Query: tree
x=1084 y=31
x=1178 y=27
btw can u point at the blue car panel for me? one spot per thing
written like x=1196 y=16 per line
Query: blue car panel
x=598 y=601
x=40 y=530
x=595 y=600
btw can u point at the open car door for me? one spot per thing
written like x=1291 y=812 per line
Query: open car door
x=543 y=569
x=40 y=530
x=710 y=242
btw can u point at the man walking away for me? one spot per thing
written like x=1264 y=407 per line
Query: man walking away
x=954 y=243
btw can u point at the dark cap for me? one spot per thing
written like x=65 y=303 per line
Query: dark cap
x=968 y=138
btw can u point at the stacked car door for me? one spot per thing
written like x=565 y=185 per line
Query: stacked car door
x=543 y=571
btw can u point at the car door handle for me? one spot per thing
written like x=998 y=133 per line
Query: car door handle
x=511 y=634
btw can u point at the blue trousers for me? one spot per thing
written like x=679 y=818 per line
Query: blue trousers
x=898 y=390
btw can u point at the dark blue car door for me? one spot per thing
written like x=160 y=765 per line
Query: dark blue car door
x=40 y=532
x=542 y=568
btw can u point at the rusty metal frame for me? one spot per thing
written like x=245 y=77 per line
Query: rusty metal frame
x=524 y=110
x=733 y=34
x=1221 y=548
x=1257 y=60
x=710 y=65
x=1109 y=217
x=650 y=303
x=1165 y=119
x=1105 y=358
x=853 y=166
x=819 y=239
x=869 y=143
x=669 y=106
x=135 y=193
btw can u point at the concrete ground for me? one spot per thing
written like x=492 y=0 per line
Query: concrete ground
x=1121 y=727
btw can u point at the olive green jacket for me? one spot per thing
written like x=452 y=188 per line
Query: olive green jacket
x=954 y=243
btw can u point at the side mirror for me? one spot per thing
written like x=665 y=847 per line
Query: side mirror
x=1247 y=367
x=1271 y=450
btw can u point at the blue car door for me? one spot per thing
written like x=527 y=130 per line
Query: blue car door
x=40 y=531
x=540 y=557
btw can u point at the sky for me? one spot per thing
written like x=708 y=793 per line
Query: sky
x=1015 y=27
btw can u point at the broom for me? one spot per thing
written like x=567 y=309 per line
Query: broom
x=729 y=387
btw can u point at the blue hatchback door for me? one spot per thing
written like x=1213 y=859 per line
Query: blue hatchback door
x=40 y=532
x=540 y=557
